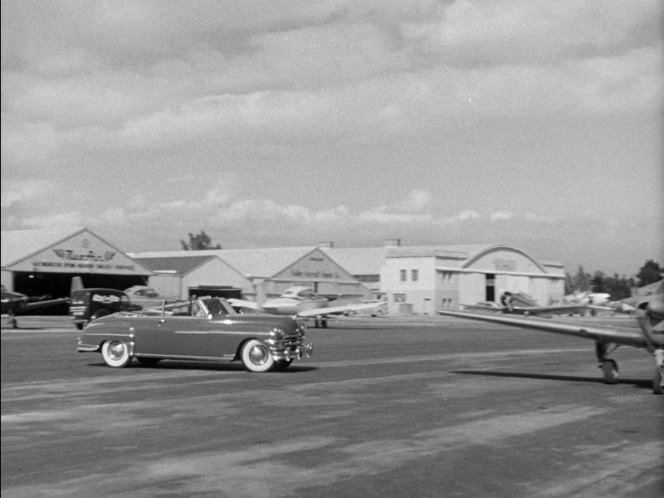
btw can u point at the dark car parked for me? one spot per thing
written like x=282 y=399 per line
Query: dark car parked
x=89 y=304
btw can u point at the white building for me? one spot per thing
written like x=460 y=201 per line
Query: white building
x=423 y=279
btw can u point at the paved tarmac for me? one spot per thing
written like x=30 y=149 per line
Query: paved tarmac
x=386 y=407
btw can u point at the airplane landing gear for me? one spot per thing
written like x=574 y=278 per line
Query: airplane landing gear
x=658 y=383
x=658 y=379
x=609 y=367
x=610 y=371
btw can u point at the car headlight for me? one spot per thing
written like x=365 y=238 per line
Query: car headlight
x=277 y=333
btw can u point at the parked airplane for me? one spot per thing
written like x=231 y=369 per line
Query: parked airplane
x=302 y=302
x=650 y=317
x=640 y=296
x=592 y=298
x=15 y=303
x=147 y=297
x=518 y=303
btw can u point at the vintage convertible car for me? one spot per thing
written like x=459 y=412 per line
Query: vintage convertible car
x=204 y=329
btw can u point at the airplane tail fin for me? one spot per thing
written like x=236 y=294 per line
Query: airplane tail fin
x=76 y=284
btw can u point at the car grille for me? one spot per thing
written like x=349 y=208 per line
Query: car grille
x=292 y=341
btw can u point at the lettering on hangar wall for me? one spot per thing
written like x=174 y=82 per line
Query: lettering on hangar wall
x=502 y=264
x=312 y=270
x=85 y=257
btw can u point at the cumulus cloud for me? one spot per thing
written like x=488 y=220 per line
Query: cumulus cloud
x=56 y=220
x=23 y=191
x=501 y=215
x=359 y=68
x=167 y=93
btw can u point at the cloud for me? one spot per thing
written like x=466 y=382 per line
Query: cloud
x=336 y=69
x=501 y=215
x=165 y=95
x=63 y=220
x=15 y=192
x=467 y=33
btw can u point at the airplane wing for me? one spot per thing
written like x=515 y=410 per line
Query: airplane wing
x=604 y=335
x=36 y=305
x=551 y=310
x=241 y=303
x=337 y=310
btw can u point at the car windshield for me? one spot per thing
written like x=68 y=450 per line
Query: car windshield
x=147 y=293
x=217 y=307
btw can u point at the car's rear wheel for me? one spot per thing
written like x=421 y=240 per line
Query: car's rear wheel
x=256 y=356
x=115 y=354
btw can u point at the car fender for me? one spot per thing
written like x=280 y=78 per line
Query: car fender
x=95 y=335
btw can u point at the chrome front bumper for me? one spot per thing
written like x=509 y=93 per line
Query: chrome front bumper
x=294 y=353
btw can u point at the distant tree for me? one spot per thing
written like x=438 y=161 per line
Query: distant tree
x=198 y=242
x=598 y=282
x=619 y=287
x=650 y=272
x=580 y=281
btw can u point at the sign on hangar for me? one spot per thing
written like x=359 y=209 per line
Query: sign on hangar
x=46 y=260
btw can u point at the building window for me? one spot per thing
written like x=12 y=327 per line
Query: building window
x=414 y=275
x=400 y=298
x=404 y=275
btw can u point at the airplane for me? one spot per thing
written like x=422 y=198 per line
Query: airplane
x=15 y=303
x=518 y=303
x=146 y=297
x=650 y=317
x=592 y=298
x=302 y=302
x=640 y=296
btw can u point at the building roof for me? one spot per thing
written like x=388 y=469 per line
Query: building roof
x=21 y=244
x=267 y=262
x=180 y=265
x=460 y=252
x=261 y=262
x=358 y=260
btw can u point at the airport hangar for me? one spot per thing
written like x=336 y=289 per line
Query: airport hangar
x=39 y=262
x=410 y=279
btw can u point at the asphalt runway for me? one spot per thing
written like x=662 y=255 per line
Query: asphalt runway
x=386 y=407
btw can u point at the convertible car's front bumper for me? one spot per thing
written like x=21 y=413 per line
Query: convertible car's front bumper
x=294 y=353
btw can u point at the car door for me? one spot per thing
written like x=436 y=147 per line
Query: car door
x=181 y=336
x=226 y=335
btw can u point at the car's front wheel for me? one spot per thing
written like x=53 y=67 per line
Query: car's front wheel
x=115 y=354
x=256 y=356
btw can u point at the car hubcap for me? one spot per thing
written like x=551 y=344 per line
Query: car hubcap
x=116 y=350
x=258 y=355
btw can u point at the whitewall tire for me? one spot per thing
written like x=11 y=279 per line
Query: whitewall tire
x=256 y=356
x=115 y=354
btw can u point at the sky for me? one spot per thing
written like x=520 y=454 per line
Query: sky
x=531 y=123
